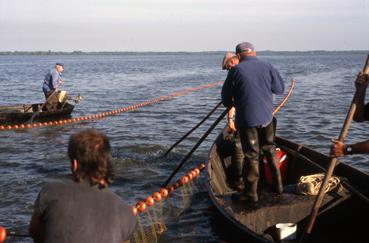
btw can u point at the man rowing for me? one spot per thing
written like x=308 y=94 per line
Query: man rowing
x=339 y=149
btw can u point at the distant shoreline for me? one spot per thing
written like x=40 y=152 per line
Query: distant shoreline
x=266 y=52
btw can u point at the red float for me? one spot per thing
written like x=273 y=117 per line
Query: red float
x=2 y=234
x=157 y=196
x=150 y=201
x=184 y=180
x=164 y=192
x=141 y=206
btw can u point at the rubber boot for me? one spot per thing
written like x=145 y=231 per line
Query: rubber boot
x=277 y=179
x=251 y=178
x=250 y=148
x=237 y=166
x=268 y=147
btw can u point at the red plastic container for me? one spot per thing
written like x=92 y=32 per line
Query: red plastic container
x=282 y=164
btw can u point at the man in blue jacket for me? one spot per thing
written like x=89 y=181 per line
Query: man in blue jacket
x=250 y=87
x=52 y=80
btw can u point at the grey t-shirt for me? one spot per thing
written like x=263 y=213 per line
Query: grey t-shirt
x=77 y=212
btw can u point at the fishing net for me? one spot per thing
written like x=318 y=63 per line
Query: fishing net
x=154 y=211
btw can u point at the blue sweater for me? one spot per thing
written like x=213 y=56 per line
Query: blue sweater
x=51 y=81
x=250 y=87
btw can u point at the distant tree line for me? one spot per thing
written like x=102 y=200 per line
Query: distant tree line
x=266 y=52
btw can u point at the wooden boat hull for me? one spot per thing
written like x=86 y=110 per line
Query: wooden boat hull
x=14 y=114
x=341 y=215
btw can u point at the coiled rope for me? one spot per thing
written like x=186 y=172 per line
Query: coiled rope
x=310 y=184
x=108 y=113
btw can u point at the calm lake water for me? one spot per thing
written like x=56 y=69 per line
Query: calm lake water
x=312 y=116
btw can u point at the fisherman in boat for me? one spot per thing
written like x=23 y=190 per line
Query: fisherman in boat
x=230 y=60
x=339 y=149
x=55 y=98
x=83 y=209
x=52 y=80
x=250 y=87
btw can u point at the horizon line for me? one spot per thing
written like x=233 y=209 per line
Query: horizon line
x=131 y=52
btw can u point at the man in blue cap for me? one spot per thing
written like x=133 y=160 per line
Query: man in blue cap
x=52 y=80
x=250 y=87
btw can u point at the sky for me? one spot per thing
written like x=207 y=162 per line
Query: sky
x=183 y=25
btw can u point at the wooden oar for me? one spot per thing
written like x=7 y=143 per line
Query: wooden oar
x=193 y=129
x=196 y=146
x=342 y=136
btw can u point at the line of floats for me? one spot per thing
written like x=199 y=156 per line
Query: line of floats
x=107 y=113
x=164 y=192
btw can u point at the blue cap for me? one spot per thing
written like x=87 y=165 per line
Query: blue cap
x=244 y=46
x=59 y=64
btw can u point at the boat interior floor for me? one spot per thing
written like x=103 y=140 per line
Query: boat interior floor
x=288 y=207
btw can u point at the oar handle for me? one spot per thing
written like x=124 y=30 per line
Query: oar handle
x=332 y=164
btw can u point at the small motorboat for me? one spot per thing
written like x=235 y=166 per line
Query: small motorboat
x=15 y=114
x=22 y=113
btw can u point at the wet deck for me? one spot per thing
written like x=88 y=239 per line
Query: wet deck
x=273 y=208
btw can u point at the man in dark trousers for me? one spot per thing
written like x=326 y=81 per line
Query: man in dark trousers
x=83 y=209
x=250 y=87
x=339 y=149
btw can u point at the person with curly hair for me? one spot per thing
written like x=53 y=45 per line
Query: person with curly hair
x=83 y=209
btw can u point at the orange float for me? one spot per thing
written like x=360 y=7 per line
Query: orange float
x=156 y=196
x=141 y=206
x=150 y=201
x=164 y=192
x=2 y=234
x=184 y=180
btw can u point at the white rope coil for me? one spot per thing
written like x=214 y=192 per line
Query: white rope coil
x=310 y=184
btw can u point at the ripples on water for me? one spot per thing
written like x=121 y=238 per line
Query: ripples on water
x=313 y=115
